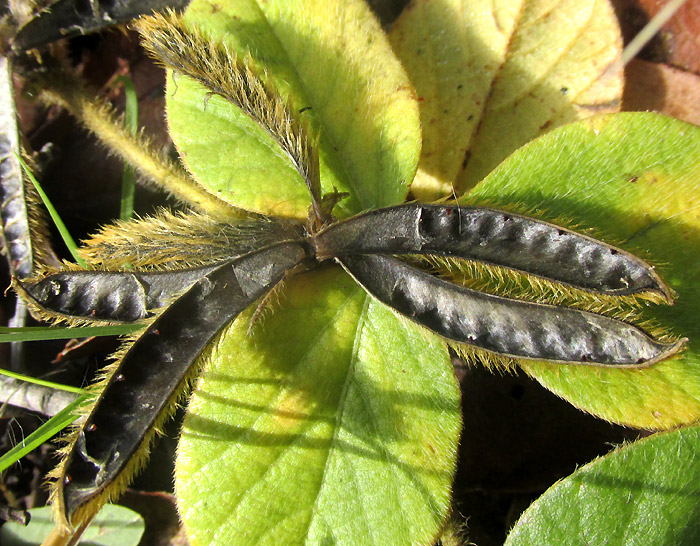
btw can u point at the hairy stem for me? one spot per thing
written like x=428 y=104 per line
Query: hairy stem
x=135 y=150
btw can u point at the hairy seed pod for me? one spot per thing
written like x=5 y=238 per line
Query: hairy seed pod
x=112 y=296
x=67 y=18
x=504 y=326
x=146 y=381
x=494 y=237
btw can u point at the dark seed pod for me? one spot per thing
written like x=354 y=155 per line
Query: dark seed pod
x=73 y=17
x=152 y=372
x=14 y=214
x=109 y=295
x=494 y=237
x=504 y=326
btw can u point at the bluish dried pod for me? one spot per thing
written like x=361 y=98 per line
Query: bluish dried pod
x=74 y=17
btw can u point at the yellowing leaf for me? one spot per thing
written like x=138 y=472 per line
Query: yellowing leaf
x=490 y=76
x=335 y=64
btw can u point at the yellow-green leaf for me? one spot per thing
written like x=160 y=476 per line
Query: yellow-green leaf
x=636 y=178
x=335 y=64
x=332 y=423
x=490 y=76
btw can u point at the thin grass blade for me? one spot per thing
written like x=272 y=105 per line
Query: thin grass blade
x=45 y=432
x=65 y=235
x=44 y=333
x=131 y=121
x=42 y=382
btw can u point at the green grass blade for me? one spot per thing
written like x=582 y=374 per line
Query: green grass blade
x=37 y=381
x=131 y=118
x=42 y=333
x=46 y=431
x=67 y=239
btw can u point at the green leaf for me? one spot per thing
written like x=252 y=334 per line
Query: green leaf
x=335 y=64
x=332 y=423
x=113 y=526
x=642 y=494
x=634 y=177
x=492 y=76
